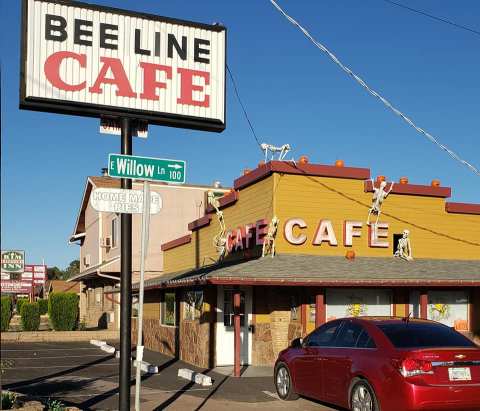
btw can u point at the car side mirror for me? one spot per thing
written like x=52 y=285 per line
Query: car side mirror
x=297 y=343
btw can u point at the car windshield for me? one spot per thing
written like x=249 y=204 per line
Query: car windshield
x=419 y=335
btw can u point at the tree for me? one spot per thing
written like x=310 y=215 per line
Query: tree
x=54 y=273
x=72 y=269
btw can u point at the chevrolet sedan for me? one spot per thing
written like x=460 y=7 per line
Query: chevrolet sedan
x=382 y=364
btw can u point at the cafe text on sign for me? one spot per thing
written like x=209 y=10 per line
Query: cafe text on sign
x=89 y=60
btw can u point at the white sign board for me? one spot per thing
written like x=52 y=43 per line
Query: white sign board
x=117 y=200
x=90 y=60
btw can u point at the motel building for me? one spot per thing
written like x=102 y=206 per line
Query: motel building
x=243 y=309
x=98 y=235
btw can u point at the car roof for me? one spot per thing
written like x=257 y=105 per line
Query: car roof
x=380 y=320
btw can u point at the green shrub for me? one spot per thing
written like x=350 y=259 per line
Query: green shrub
x=43 y=304
x=20 y=302
x=8 y=398
x=6 y=312
x=63 y=311
x=30 y=313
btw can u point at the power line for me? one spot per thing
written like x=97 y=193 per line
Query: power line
x=387 y=103
x=460 y=26
x=243 y=107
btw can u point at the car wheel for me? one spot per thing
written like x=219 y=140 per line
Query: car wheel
x=362 y=397
x=283 y=383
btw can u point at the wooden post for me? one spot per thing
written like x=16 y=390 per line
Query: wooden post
x=236 y=332
x=320 y=308
x=423 y=304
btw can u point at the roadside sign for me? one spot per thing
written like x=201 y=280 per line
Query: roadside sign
x=36 y=273
x=146 y=168
x=117 y=200
x=16 y=286
x=113 y=126
x=90 y=60
x=12 y=261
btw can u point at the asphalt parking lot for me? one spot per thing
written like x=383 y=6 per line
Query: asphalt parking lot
x=82 y=375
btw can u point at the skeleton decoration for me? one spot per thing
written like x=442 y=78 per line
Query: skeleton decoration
x=269 y=240
x=404 y=248
x=282 y=150
x=379 y=195
x=220 y=239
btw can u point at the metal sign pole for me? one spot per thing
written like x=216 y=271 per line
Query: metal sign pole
x=125 y=283
x=145 y=232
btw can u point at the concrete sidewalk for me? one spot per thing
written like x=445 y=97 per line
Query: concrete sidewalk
x=59 y=336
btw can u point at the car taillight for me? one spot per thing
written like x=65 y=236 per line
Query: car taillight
x=411 y=367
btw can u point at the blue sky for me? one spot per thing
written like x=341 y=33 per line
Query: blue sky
x=293 y=94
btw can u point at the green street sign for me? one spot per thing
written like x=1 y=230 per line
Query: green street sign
x=146 y=168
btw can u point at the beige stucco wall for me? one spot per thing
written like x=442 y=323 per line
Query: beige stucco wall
x=181 y=205
x=90 y=244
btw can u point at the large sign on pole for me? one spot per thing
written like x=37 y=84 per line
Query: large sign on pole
x=84 y=59
x=146 y=168
x=12 y=261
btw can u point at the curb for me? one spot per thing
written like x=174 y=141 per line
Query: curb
x=196 y=377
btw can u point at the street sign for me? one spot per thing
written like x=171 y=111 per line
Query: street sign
x=146 y=168
x=117 y=200
x=12 y=261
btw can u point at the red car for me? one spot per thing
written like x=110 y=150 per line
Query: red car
x=382 y=364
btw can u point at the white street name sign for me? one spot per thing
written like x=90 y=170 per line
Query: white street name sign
x=117 y=200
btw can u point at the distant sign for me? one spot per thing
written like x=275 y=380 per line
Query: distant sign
x=37 y=271
x=16 y=286
x=146 y=168
x=112 y=126
x=85 y=59
x=12 y=261
x=116 y=200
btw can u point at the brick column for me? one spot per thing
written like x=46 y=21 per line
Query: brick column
x=320 y=308
x=236 y=333
x=423 y=304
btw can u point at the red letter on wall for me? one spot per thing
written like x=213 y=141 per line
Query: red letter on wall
x=150 y=83
x=119 y=78
x=52 y=70
x=187 y=87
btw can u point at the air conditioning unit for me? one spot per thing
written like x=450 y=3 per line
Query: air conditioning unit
x=86 y=260
x=106 y=242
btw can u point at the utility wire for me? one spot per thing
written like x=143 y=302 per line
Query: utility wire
x=243 y=107
x=360 y=81
x=460 y=26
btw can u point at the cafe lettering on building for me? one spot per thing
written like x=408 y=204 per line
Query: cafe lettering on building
x=97 y=61
x=329 y=263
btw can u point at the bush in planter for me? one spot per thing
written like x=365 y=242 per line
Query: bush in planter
x=20 y=302
x=43 y=304
x=63 y=311
x=6 y=313
x=30 y=316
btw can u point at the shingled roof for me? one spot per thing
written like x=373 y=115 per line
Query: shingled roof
x=295 y=269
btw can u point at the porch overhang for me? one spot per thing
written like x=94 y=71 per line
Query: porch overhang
x=96 y=272
x=328 y=271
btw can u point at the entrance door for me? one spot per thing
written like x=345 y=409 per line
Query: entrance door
x=224 y=330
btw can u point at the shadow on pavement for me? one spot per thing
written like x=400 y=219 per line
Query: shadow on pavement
x=104 y=396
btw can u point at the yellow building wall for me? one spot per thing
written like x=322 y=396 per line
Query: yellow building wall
x=255 y=202
x=151 y=306
x=434 y=233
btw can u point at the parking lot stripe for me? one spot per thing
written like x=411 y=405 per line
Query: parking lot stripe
x=59 y=366
x=58 y=357
x=52 y=349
